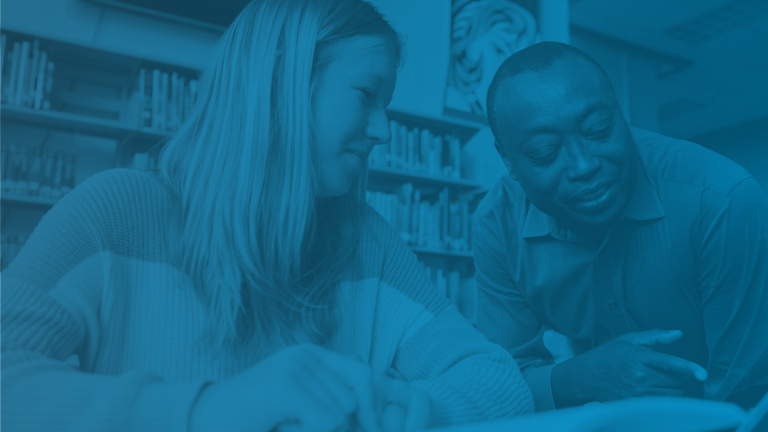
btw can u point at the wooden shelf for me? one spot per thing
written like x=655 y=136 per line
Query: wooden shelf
x=443 y=253
x=79 y=123
x=33 y=202
x=376 y=173
x=465 y=129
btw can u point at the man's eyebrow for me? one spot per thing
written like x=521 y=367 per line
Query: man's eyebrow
x=591 y=108
x=585 y=112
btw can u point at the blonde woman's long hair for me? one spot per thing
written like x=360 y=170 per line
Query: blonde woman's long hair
x=265 y=253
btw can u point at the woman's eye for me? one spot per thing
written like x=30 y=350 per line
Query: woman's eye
x=367 y=95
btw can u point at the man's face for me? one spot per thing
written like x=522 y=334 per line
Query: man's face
x=564 y=139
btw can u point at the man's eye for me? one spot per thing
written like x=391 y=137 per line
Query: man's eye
x=549 y=157
x=601 y=130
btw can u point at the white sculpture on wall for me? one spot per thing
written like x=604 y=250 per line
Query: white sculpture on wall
x=483 y=34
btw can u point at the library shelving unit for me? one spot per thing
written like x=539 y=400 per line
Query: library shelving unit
x=96 y=93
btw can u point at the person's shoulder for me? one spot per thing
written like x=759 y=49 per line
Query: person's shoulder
x=115 y=194
x=672 y=160
x=506 y=193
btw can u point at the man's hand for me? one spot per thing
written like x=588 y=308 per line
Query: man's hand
x=624 y=368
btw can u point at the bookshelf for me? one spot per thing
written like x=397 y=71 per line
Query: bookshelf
x=32 y=202
x=78 y=123
x=418 y=179
x=95 y=95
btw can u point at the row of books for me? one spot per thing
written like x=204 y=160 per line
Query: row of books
x=461 y=292
x=420 y=151
x=164 y=99
x=10 y=244
x=443 y=224
x=27 y=74
x=36 y=172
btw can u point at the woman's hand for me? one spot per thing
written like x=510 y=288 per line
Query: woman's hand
x=303 y=387
x=404 y=408
x=309 y=388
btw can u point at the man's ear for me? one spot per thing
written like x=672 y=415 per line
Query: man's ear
x=505 y=160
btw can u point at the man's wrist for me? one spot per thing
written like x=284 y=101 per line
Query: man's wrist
x=566 y=391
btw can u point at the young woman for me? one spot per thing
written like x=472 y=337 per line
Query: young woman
x=246 y=286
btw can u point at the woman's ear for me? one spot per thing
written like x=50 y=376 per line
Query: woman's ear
x=503 y=156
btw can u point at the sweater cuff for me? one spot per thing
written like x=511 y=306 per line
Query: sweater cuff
x=165 y=406
x=540 y=382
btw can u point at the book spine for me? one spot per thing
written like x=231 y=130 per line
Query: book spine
x=9 y=161
x=156 y=78
x=40 y=84
x=49 y=165
x=141 y=84
x=68 y=175
x=6 y=76
x=192 y=93
x=411 y=149
x=21 y=87
x=3 y=42
x=35 y=171
x=58 y=176
x=164 y=91
x=456 y=153
x=174 y=95
x=14 y=79
x=49 y=70
x=414 y=225
x=180 y=101
x=29 y=91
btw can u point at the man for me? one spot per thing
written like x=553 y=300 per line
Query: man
x=649 y=253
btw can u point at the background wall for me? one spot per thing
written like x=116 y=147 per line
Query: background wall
x=745 y=144
x=663 y=85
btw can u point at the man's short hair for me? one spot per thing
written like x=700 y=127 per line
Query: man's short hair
x=535 y=58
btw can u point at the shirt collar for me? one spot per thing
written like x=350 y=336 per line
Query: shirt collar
x=643 y=205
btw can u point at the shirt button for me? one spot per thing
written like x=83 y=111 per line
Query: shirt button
x=612 y=305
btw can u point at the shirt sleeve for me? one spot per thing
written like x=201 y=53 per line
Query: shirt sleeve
x=505 y=318
x=50 y=311
x=467 y=378
x=734 y=292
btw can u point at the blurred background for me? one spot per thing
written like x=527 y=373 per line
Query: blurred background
x=89 y=85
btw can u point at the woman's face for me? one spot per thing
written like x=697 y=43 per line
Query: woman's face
x=348 y=109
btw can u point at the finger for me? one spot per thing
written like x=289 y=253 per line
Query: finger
x=419 y=413
x=393 y=418
x=397 y=392
x=672 y=364
x=653 y=337
x=656 y=378
x=332 y=387
x=357 y=376
x=315 y=413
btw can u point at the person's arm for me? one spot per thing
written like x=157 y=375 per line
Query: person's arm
x=50 y=311
x=733 y=270
x=466 y=377
x=505 y=317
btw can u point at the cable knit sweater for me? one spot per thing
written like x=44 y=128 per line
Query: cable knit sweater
x=94 y=280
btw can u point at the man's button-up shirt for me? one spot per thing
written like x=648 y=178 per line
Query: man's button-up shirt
x=690 y=254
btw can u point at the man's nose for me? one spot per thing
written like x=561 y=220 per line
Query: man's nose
x=583 y=164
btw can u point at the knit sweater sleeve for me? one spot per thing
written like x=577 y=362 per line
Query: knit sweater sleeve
x=52 y=299
x=468 y=378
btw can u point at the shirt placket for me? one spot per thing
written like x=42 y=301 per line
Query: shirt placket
x=610 y=274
